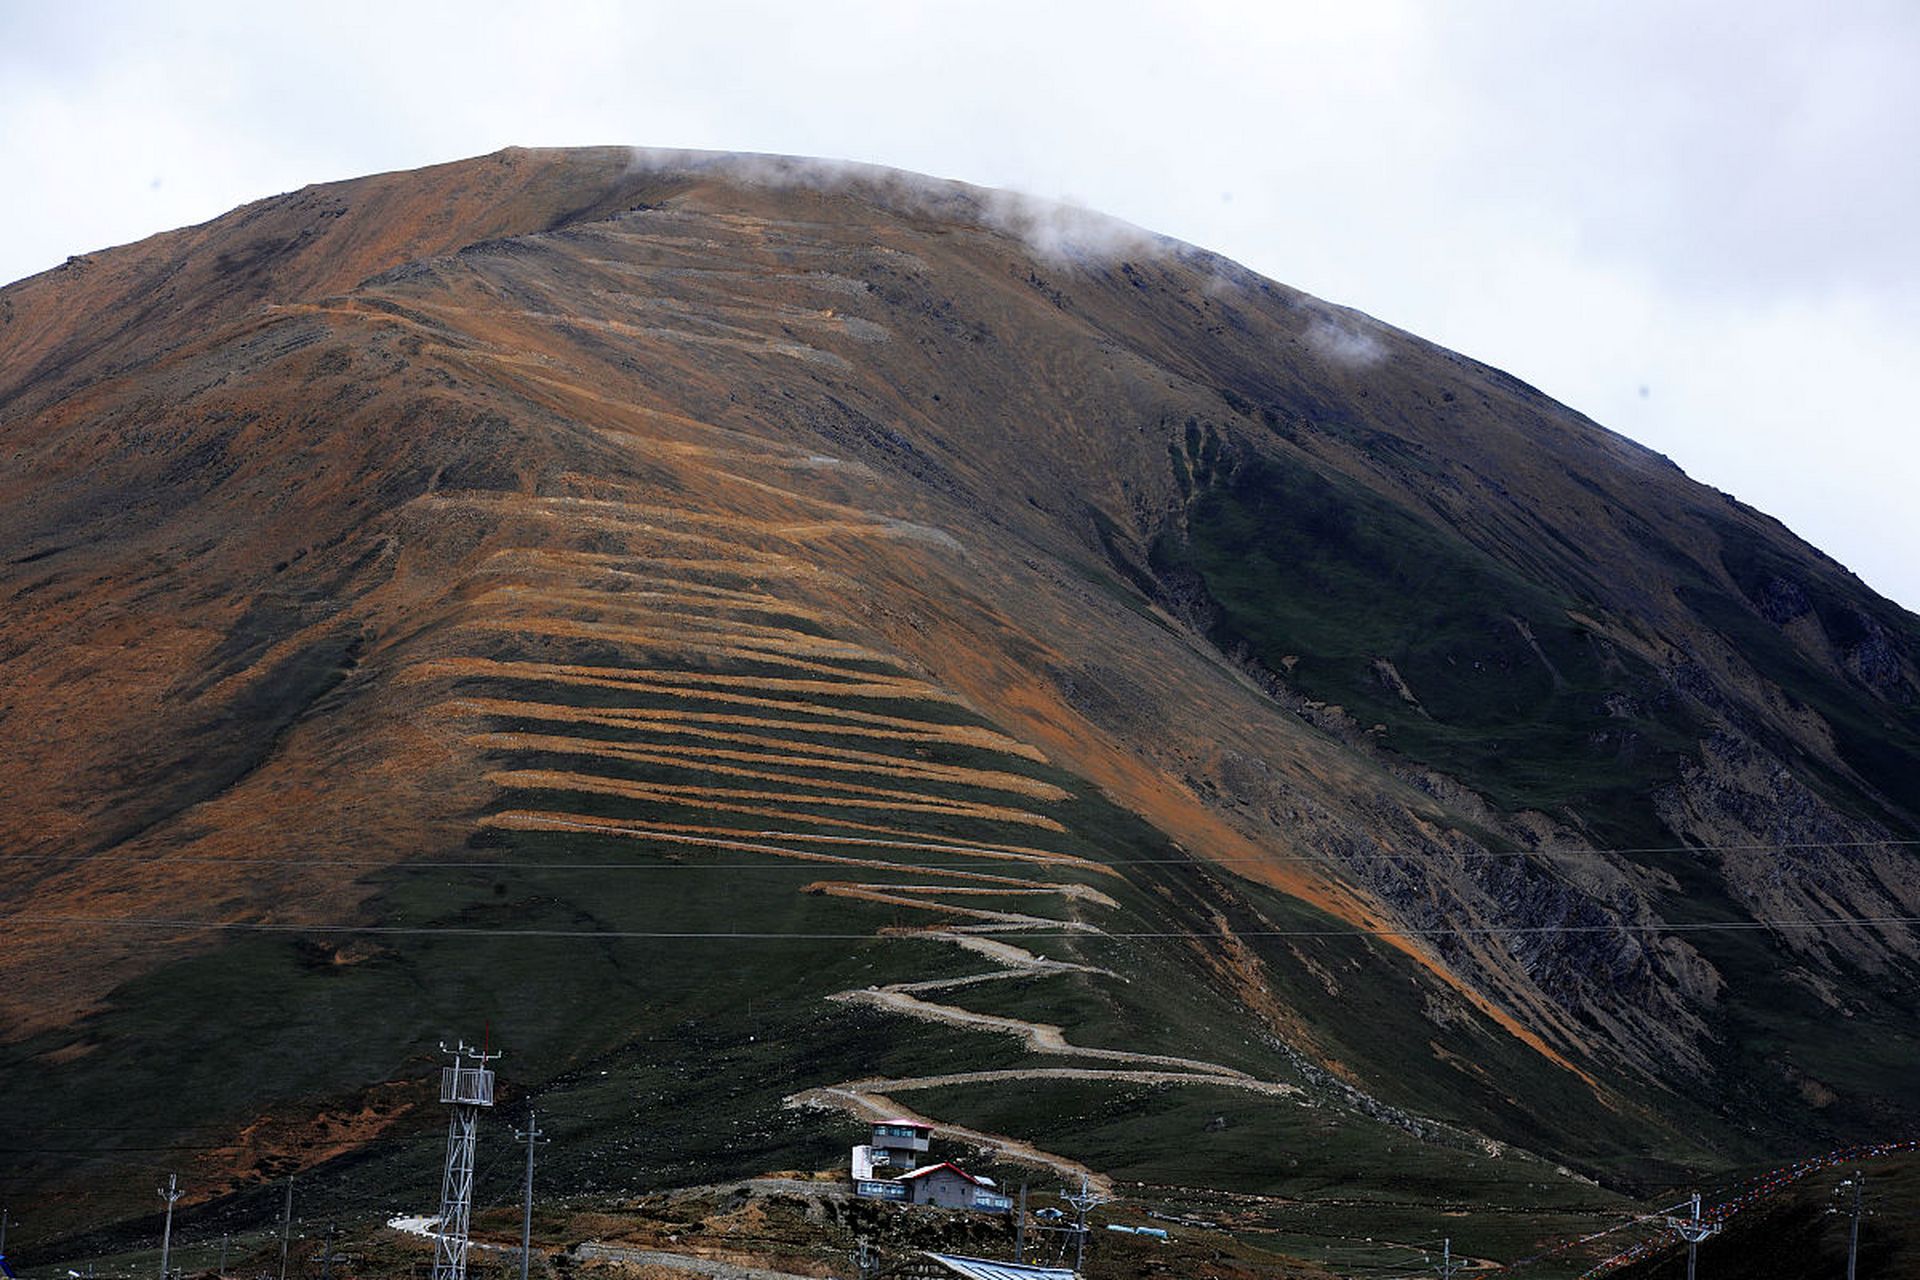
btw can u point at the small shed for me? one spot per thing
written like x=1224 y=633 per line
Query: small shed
x=951 y=1187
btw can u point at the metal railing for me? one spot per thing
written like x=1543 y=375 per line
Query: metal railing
x=472 y=1086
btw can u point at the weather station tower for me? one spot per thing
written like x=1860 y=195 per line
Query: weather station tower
x=466 y=1086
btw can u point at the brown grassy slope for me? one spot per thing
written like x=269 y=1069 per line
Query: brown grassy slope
x=103 y=311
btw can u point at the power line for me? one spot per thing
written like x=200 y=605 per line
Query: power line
x=120 y=1155
x=116 y=1150
x=1090 y=933
x=1042 y=858
x=108 y=1153
x=106 y=1128
x=1589 y=1238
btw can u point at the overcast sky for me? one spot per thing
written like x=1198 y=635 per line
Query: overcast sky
x=1695 y=222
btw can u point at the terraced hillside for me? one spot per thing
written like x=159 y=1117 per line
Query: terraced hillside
x=776 y=644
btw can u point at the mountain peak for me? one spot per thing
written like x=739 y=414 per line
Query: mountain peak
x=797 y=632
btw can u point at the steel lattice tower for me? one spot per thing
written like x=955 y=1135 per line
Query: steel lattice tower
x=466 y=1086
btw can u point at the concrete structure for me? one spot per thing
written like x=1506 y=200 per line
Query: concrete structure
x=894 y=1148
x=880 y=1189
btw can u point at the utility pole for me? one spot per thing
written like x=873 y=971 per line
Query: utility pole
x=6 y=1216
x=1693 y=1230
x=466 y=1086
x=170 y=1193
x=286 y=1227
x=531 y=1136
x=1083 y=1203
x=223 y=1255
x=1853 y=1234
x=326 y=1255
x=1447 y=1265
x=1020 y=1229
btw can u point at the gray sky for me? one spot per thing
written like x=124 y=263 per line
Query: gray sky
x=1698 y=223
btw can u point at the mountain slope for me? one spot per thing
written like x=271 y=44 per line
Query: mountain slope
x=751 y=631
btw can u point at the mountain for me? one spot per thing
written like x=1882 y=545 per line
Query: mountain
x=769 y=643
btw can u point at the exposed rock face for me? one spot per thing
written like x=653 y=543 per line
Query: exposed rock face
x=565 y=508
